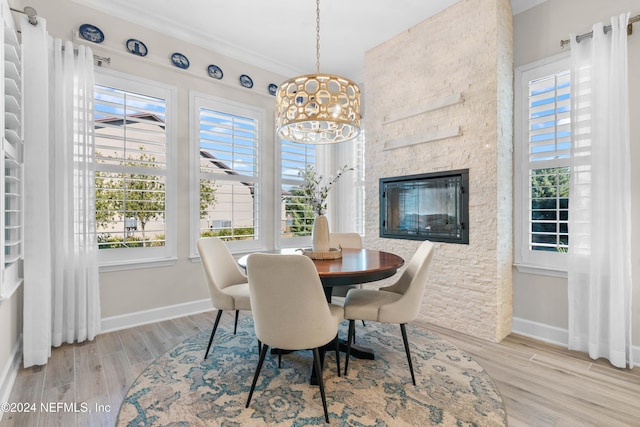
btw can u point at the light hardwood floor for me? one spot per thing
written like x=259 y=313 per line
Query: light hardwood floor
x=541 y=384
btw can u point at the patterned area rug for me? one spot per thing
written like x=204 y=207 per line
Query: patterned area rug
x=180 y=388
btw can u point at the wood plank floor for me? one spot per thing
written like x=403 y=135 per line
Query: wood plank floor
x=541 y=384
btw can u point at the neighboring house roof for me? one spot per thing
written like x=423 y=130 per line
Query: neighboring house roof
x=119 y=121
x=223 y=166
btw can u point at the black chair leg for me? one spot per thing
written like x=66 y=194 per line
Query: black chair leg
x=279 y=358
x=316 y=361
x=235 y=325
x=213 y=332
x=406 y=348
x=263 y=353
x=259 y=346
x=337 y=341
x=354 y=332
x=352 y=327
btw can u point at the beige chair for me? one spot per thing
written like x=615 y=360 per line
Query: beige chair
x=290 y=310
x=398 y=303
x=343 y=240
x=349 y=241
x=228 y=285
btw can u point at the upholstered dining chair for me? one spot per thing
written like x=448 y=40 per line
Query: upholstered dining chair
x=349 y=241
x=228 y=285
x=343 y=240
x=290 y=310
x=398 y=303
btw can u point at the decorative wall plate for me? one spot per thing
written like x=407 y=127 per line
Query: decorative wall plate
x=246 y=81
x=273 y=89
x=136 y=47
x=215 y=71
x=179 y=60
x=91 y=33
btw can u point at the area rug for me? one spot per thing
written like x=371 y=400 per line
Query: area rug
x=180 y=388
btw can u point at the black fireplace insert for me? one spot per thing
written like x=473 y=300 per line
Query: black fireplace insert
x=430 y=206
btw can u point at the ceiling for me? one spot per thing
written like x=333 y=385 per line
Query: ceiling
x=280 y=35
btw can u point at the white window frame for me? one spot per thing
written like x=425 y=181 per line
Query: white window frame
x=350 y=190
x=198 y=100
x=131 y=258
x=526 y=260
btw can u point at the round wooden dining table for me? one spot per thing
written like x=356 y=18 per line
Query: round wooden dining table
x=354 y=267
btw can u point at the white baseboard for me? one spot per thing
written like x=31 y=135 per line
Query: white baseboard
x=10 y=372
x=540 y=331
x=124 y=321
x=553 y=335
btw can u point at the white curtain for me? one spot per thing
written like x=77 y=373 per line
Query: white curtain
x=599 y=210
x=61 y=295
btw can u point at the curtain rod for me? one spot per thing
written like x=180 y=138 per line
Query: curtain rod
x=607 y=28
x=30 y=12
x=32 y=15
x=99 y=60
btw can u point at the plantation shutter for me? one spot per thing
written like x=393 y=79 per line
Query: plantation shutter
x=131 y=168
x=296 y=216
x=228 y=174
x=549 y=148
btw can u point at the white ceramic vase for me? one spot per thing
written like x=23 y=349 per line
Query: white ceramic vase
x=320 y=234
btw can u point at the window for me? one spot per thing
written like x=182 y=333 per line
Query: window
x=296 y=215
x=135 y=154
x=346 y=198
x=225 y=153
x=543 y=145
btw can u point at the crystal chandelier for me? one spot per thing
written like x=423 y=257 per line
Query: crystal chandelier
x=318 y=108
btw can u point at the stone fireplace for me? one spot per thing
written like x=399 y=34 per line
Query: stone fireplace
x=439 y=97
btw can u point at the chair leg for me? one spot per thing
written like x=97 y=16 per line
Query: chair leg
x=259 y=346
x=337 y=341
x=263 y=353
x=316 y=361
x=213 y=332
x=352 y=327
x=406 y=348
x=279 y=358
x=235 y=325
x=354 y=332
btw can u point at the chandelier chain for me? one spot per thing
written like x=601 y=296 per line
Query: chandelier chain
x=317 y=36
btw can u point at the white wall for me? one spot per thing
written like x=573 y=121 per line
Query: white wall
x=540 y=302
